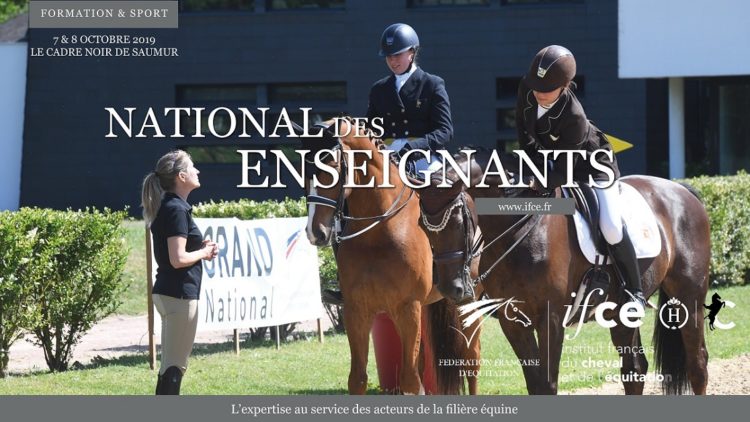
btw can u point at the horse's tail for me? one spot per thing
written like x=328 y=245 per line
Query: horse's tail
x=446 y=343
x=692 y=190
x=669 y=354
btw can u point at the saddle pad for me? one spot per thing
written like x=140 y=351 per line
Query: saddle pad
x=639 y=219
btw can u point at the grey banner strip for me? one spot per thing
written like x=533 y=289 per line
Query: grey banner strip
x=372 y=408
x=523 y=206
x=103 y=14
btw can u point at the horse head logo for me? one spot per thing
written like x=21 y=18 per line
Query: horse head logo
x=472 y=312
x=518 y=315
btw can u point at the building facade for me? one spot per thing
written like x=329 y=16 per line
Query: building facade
x=322 y=54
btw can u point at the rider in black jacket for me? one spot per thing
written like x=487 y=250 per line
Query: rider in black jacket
x=549 y=117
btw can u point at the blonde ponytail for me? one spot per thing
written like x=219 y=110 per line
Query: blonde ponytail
x=151 y=197
x=162 y=180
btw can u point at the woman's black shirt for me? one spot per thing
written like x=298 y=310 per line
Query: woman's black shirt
x=175 y=219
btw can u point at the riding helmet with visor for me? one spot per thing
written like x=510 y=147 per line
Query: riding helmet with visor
x=398 y=38
x=553 y=67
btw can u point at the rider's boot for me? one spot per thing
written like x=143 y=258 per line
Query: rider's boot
x=623 y=254
x=171 y=381
x=158 y=384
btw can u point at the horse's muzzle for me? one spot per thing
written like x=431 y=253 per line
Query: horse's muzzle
x=320 y=236
x=456 y=292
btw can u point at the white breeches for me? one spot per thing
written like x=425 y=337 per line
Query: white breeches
x=610 y=212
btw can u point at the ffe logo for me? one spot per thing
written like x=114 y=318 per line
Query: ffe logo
x=484 y=309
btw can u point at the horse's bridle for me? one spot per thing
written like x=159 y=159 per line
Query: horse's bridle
x=474 y=248
x=472 y=239
x=338 y=204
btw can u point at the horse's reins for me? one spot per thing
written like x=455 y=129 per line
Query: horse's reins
x=474 y=247
x=338 y=205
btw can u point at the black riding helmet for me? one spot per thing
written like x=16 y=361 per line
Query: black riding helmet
x=553 y=66
x=398 y=38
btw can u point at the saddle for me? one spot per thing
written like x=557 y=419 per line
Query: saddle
x=588 y=205
x=595 y=281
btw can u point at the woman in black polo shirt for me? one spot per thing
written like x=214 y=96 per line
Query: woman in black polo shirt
x=178 y=248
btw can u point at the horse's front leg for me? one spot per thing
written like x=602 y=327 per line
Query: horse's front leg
x=551 y=335
x=473 y=354
x=357 y=324
x=524 y=345
x=408 y=319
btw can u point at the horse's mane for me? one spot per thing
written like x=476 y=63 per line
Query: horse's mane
x=376 y=141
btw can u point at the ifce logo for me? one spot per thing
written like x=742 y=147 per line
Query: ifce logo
x=673 y=314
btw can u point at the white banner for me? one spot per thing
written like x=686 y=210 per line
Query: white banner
x=266 y=274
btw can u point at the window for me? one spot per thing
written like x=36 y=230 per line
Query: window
x=580 y=86
x=220 y=154
x=216 y=5
x=307 y=93
x=507 y=145
x=213 y=154
x=434 y=3
x=327 y=100
x=246 y=94
x=305 y=4
x=211 y=97
x=517 y=2
x=506 y=118
x=506 y=88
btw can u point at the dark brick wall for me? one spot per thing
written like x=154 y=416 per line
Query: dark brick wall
x=68 y=162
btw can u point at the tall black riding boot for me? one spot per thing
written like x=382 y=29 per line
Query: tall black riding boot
x=624 y=255
x=170 y=381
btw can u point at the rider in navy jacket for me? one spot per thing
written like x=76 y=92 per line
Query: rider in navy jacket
x=413 y=104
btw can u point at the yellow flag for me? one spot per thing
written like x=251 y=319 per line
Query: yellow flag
x=618 y=145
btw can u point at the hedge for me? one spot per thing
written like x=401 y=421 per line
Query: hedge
x=727 y=200
x=11 y=8
x=60 y=273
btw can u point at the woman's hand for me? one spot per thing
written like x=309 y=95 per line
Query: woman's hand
x=210 y=249
x=180 y=258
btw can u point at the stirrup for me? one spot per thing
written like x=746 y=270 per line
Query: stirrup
x=638 y=298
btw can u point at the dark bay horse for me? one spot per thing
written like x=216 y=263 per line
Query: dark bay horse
x=544 y=265
x=384 y=260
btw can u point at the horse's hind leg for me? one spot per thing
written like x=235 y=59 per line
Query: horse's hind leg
x=696 y=354
x=408 y=319
x=692 y=335
x=358 y=332
x=628 y=342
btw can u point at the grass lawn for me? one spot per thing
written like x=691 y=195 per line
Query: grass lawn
x=307 y=367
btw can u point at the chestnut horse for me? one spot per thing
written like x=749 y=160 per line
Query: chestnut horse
x=537 y=260
x=384 y=259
